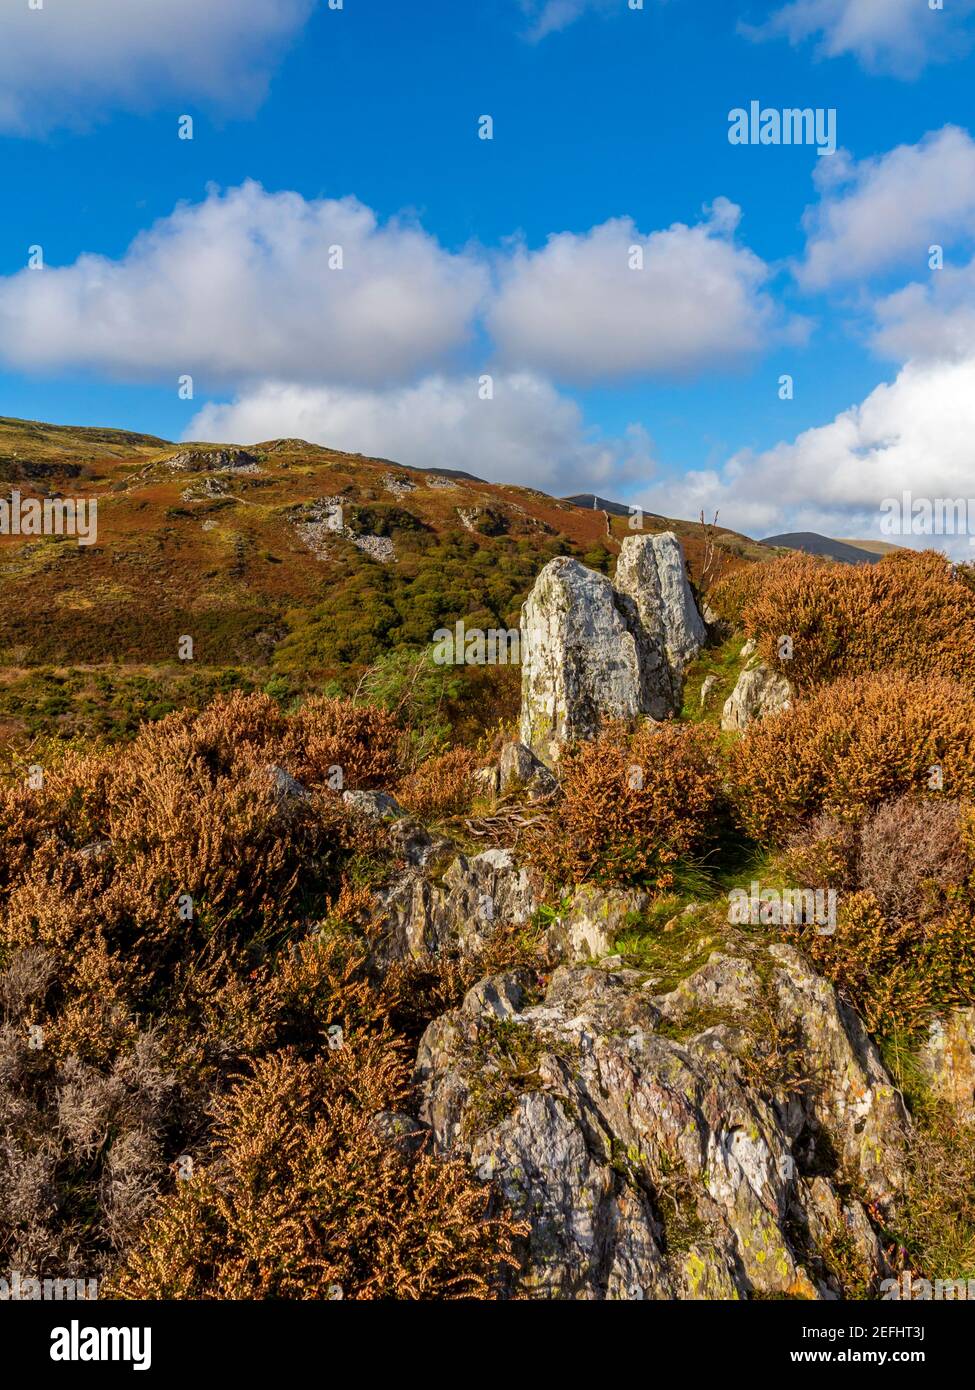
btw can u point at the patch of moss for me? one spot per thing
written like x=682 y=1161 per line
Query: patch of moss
x=673 y=948
x=505 y=1059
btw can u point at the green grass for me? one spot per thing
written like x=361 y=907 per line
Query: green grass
x=724 y=662
x=669 y=944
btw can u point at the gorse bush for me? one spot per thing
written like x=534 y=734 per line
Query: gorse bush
x=911 y=612
x=631 y=806
x=852 y=745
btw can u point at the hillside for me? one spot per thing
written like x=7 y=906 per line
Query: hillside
x=810 y=543
x=599 y=1006
x=877 y=547
x=284 y=561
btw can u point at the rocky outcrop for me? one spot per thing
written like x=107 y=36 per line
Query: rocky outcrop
x=759 y=692
x=708 y=687
x=517 y=770
x=374 y=805
x=518 y=767
x=205 y=489
x=422 y=912
x=579 y=658
x=288 y=791
x=651 y=573
x=594 y=918
x=398 y=484
x=320 y=522
x=203 y=460
x=716 y=1141
x=592 y=650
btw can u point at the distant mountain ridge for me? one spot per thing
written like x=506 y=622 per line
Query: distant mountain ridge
x=811 y=543
x=595 y=503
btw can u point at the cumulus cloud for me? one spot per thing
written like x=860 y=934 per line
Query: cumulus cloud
x=247 y=285
x=888 y=210
x=76 y=58
x=615 y=302
x=891 y=36
x=527 y=434
x=931 y=320
x=250 y=285
x=913 y=434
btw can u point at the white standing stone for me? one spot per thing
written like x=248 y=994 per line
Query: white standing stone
x=579 y=658
x=592 y=650
x=651 y=571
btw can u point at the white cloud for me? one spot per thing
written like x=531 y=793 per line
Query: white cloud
x=892 y=36
x=74 y=59
x=552 y=16
x=240 y=287
x=576 y=310
x=929 y=320
x=913 y=434
x=888 y=210
x=527 y=434
x=243 y=287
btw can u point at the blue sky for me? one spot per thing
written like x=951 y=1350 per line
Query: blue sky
x=316 y=127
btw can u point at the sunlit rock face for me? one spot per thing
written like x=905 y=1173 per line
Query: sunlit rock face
x=595 y=650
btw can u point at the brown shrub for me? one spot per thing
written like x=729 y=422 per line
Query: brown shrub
x=83 y=1150
x=630 y=807
x=911 y=855
x=876 y=964
x=851 y=746
x=219 y=735
x=146 y=1012
x=823 y=852
x=363 y=740
x=911 y=612
x=737 y=590
x=908 y=853
x=895 y=972
x=303 y=1193
x=69 y=807
x=441 y=786
x=424 y=989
